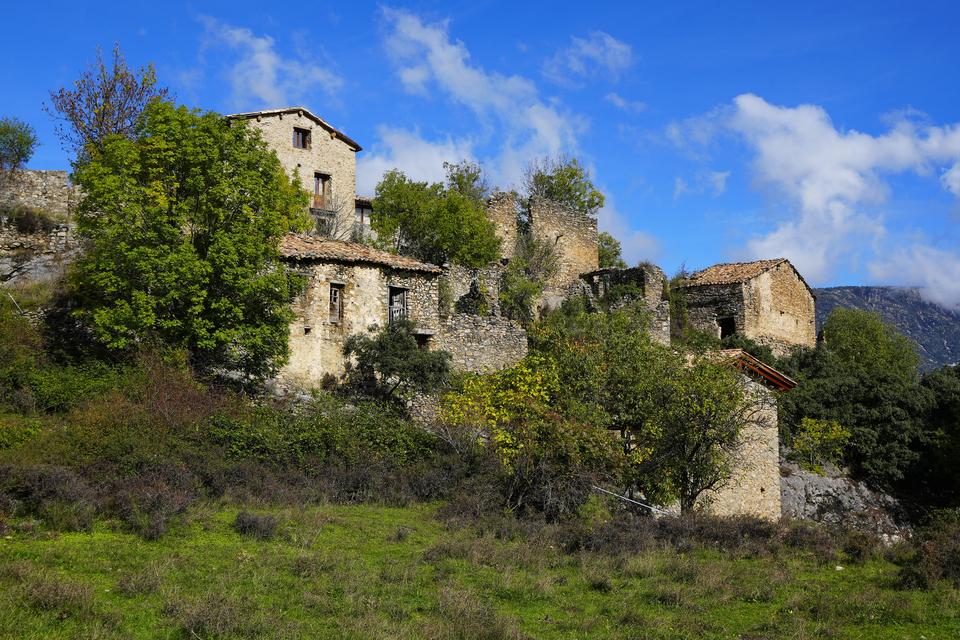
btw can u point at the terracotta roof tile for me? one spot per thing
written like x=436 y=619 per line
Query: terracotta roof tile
x=731 y=272
x=303 y=247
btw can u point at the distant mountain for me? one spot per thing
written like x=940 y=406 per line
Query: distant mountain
x=935 y=329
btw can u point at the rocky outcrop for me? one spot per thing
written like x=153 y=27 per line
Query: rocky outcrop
x=839 y=501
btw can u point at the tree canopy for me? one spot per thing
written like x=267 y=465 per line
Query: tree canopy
x=18 y=140
x=436 y=223
x=861 y=338
x=183 y=219
x=608 y=252
x=564 y=180
x=106 y=100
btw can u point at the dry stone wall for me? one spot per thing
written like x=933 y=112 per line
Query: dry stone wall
x=574 y=234
x=780 y=310
x=481 y=343
x=649 y=279
x=49 y=191
x=502 y=211
x=754 y=487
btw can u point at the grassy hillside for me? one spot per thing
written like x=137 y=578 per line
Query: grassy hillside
x=934 y=328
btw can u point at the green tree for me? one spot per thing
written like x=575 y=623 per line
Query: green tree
x=395 y=362
x=183 y=219
x=534 y=262
x=608 y=252
x=564 y=180
x=863 y=339
x=18 y=140
x=106 y=100
x=436 y=223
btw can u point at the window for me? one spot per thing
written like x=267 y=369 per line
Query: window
x=301 y=138
x=398 y=303
x=336 y=302
x=321 y=190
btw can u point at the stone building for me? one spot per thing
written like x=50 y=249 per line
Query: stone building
x=349 y=288
x=324 y=158
x=647 y=281
x=767 y=301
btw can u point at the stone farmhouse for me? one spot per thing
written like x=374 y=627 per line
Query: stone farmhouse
x=768 y=301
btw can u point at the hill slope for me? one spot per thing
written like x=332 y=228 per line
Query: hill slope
x=935 y=329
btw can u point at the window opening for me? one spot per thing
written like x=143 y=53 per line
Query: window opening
x=728 y=327
x=336 y=302
x=398 y=303
x=321 y=190
x=301 y=138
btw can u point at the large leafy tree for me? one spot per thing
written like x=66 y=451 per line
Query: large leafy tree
x=436 y=223
x=183 y=218
x=562 y=179
x=861 y=338
x=106 y=100
x=608 y=252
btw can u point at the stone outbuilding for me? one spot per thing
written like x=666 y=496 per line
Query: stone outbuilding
x=767 y=301
x=349 y=288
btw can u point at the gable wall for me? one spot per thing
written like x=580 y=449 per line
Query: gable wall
x=326 y=155
x=574 y=234
x=780 y=310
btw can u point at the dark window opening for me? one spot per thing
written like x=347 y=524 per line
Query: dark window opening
x=336 y=302
x=306 y=330
x=728 y=327
x=397 y=304
x=423 y=340
x=301 y=138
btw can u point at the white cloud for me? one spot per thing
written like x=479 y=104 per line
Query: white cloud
x=419 y=159
x=600 y=54
x=626 y=105
x=526 y=125
x=715 y=181
x=680 y=188
x=261 y=76
x=634 y=245
x=826 y=176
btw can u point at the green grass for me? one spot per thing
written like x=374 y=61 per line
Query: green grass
x=375 y=572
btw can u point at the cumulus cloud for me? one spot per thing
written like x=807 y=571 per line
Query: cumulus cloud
x=261 y=76
x=406 y=150
x=526 y=124
x=634 y=245
x=827 y=177
x=600 y=54
x=626 y=105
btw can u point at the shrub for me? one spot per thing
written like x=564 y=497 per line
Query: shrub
x=260 y=527
x=819 y=442
x=936 y=554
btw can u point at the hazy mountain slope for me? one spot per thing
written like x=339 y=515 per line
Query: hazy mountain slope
x=936 y=329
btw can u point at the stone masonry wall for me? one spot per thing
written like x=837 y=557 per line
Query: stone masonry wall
x=457 y=280
x=706 y=303
x=50 y=191
x=780 y=310
x=754 y=487
x=326 y=155
x=650 y=279
x=574 y=234
x=316 y=343
x=481 y=343
x=502 y=211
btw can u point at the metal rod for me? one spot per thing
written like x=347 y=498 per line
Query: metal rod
x=616 y=495
x=15 y=302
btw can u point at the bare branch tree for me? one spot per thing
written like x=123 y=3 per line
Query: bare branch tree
x=107 y=99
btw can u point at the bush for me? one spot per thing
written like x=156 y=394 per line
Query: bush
x=936 y=554
x=260 y=527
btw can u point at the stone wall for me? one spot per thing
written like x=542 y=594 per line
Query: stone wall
x=457 y=281
x=707 y=303
x=50 y=191
x=574 y=234
x=754 y=487
x=502 y=211
x=780 y=310
x=316 y=342
x=650 y=280
x=328 y=155
x=481 y=343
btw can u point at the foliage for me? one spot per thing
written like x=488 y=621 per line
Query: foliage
x=861 y=338
x=880 y=410
x=106 y=100
x=535 y=261
x=184 y=250
x=395 y=362
x=608 y=250
x=761 y=352
x=819 y=442
x=564 y=180
x=18 y=141
x=436 y=223
x=935 y=476
x=19 y=348
x=679 y=318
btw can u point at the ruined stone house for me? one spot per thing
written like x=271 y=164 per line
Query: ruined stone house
x=323 y=157
x=767 y=301
x=646 y=281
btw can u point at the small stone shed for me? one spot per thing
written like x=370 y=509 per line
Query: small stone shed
x=768 y=301
x=754 y=486
x=349 y=288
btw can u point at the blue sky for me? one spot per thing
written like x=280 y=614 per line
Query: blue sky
x=827 y=133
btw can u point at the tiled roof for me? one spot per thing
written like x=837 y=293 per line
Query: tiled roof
x=303 y=247
x=362 y=200
x=731 y=272
x=306 y=112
